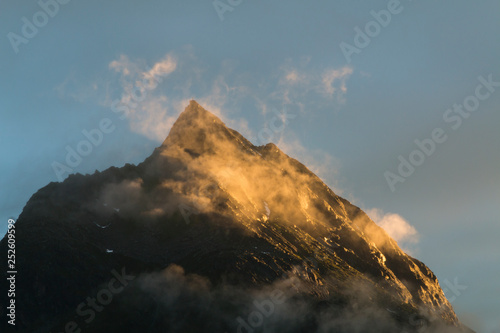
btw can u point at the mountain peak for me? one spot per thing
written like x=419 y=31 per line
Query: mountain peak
x=192 y=126
x=194 y=109
x=194 y=102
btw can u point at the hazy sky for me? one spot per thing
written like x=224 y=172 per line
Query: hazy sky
x=357 y=83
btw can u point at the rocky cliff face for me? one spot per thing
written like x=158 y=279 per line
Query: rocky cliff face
x=213 y=234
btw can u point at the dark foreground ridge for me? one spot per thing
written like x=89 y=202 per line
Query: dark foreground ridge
x=213 y=234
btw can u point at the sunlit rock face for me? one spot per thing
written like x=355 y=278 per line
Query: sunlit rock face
x=213 y=227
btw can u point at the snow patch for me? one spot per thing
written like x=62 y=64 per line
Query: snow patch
x=268 y=211
x=102 y=226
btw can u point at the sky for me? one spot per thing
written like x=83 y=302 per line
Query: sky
x=394 y=104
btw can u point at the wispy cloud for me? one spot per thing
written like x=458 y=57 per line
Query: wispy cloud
x=152 y=98
x=149 y=96
x=395 y=225
x=319 y=162
x=148 y=111
x=334 y=82
x=71 y=89
x=299 y=80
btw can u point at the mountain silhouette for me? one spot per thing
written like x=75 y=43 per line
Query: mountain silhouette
x=213 y=234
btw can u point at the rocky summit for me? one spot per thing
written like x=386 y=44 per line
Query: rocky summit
x=213 y=234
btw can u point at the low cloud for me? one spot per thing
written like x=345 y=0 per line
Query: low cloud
x=395 y=225
x=177 y=301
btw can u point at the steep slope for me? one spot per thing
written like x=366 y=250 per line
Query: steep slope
x=245 y=219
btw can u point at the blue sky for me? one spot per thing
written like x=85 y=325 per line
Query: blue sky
x=353 y=116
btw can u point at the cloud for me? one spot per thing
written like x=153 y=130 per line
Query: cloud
x=223 y=95
x=70 y=89
x=123 y=65
x=148 y=111
x=126 y=67
x=299 y=81
x=151 y=98
x=334 y=82
x=319 y=162
x=293 y=76
x=176 y=301
x=395 y=225
x=163 y=67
